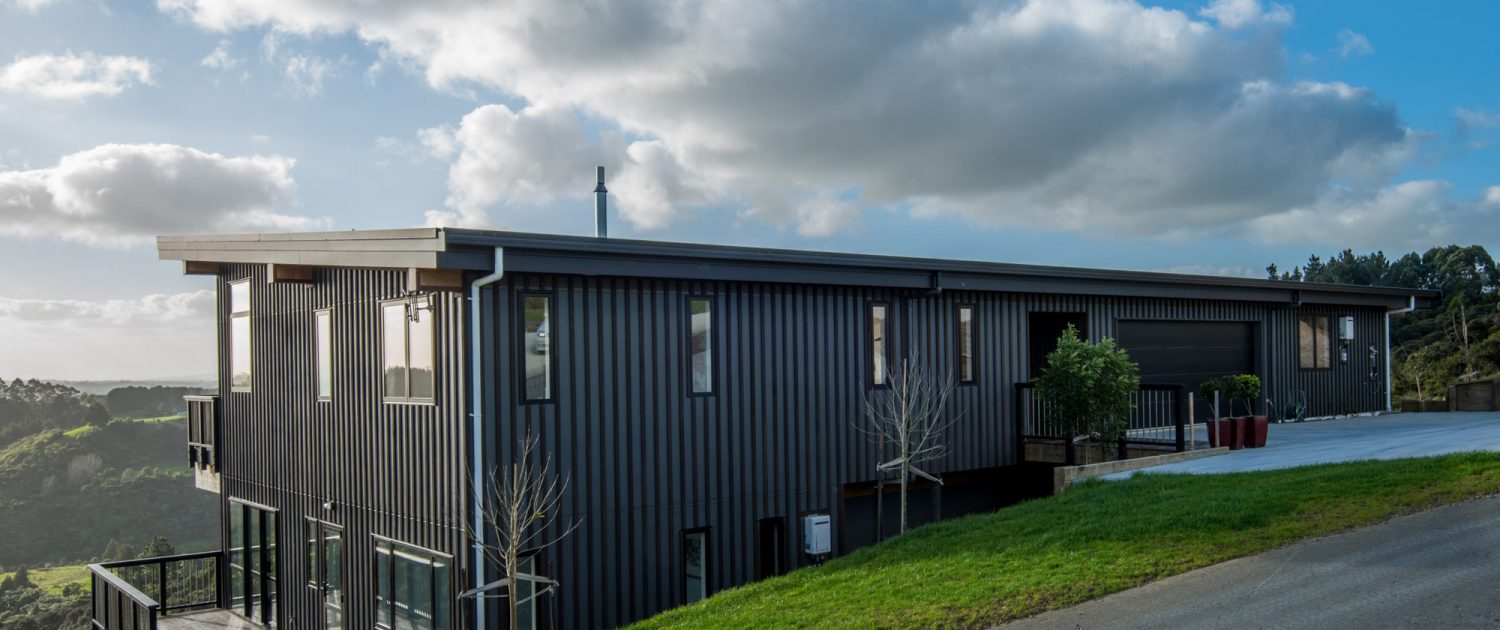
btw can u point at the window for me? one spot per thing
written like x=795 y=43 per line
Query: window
x=536 y=346
x=701 y=344
x=1313 y=342
x=407 y=350
x=695 y=565
x=413 y=587
x=879 y=337
x=323 y=333
x=239 y=336
x=252 y=561
x=966 y=344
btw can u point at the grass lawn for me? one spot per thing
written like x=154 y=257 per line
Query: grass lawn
x=53 y=579
x=1095 y=539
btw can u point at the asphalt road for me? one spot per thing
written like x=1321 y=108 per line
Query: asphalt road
x=1436 y=569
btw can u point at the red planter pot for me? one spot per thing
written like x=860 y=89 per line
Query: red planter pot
x=1226 y=432
x=1256 y=428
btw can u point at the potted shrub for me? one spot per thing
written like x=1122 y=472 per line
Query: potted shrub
x=1246 y=388
x=1223 y=430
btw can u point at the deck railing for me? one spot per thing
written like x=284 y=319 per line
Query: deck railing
x=202 y=423
x=1158 y=417
x=132 y=594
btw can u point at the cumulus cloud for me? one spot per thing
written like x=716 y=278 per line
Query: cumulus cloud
x=305 y=74
x=152 y=310
x=154 y=336
x=1352 y=44
x=120 y=194
x=74 y=77
x=1069 y=114
x=1209 y=270
x=1242 y=13
x=31 y=6
x=1412 y=214
x=221 y=58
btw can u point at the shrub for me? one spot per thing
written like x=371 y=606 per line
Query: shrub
x=1087 y=387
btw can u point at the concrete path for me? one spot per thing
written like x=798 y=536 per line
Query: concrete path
x=1437 y=569
x=1390 y=436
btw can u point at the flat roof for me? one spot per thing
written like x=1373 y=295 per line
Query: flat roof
x=471 y=249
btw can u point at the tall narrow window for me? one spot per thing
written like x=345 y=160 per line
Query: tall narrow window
x=1313 y=351
x=323 y=325
x=966 y=344
x=879 y=340
x=413 y=587
x=536 y=344
x=239 y=336
x=701 y=344
x=695 y=565
x=407 y=350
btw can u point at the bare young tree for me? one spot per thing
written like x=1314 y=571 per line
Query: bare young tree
x=908 y=416
x=519 y=508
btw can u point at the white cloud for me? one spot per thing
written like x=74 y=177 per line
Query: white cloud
x=1242 y=13
x=305 y=74
x=151 y=310
x=1098 y=115
x=74 y=77
x=153 y=336
x=221 y=58
x=1414 y=215
x=1492 y=195
x=31 y=6
x=120 y=195
x=1209 y=270
x=1352 y=43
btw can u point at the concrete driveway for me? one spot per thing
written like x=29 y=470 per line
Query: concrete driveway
x=1390 y=436
x=1436 y=569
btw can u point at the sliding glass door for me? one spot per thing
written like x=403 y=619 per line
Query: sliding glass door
x=252 y=561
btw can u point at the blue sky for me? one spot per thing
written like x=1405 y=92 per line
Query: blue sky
x=1210 y=137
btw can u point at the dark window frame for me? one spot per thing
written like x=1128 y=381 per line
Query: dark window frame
x=958 y=343
x=248 y=315
x=408 y=302
x=520 y=357
x=713 y=343
x=318 y=351
x=1327 y=345
x=393 y=545
x=265 y=582
x=707 y=576
x=869 y=342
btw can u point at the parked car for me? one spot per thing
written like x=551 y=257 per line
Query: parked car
x=539 y=339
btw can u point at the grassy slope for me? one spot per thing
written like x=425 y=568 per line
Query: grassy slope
x=1096 y=539
x=53 y=579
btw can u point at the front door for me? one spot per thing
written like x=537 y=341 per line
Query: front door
x=325 y=570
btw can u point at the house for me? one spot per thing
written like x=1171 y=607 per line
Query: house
x=702 y=401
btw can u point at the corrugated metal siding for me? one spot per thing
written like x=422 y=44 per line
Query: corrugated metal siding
x=390 y=469
x=648 y=461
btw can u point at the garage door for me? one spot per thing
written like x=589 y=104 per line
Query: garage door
x=1188 y=352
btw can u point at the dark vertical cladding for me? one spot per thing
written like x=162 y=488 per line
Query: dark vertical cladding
x=648 y=460
x=381 y=469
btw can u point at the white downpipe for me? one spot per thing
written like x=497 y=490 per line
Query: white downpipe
x=476 y=415
x=1410 y=306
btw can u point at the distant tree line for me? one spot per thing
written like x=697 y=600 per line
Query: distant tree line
x=1434 y=347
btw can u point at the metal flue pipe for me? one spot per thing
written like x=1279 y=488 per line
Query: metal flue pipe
x=601 y=207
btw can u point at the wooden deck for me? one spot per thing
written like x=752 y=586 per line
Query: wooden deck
x=206 y=620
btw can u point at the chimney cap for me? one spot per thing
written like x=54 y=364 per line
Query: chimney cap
x=600 y=188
